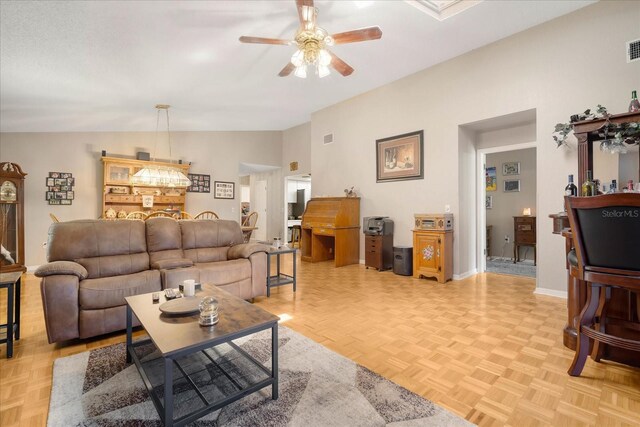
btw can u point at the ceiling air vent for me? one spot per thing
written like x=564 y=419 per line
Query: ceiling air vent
x=328 y=138
x=633 y=50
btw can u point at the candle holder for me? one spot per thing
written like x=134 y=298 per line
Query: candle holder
x=208 y=311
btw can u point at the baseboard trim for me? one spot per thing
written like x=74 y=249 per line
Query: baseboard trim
x=465 y=275
x=551 y=292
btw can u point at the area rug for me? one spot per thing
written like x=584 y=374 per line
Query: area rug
x=317 y=388
x=508 y=267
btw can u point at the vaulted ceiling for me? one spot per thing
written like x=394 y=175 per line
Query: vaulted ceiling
x=103 y=65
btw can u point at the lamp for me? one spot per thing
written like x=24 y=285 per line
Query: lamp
x=161 y=176
x=311 y=51
x=526 y=212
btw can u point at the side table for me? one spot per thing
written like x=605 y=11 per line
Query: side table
x=279 y=278
x=11 y=330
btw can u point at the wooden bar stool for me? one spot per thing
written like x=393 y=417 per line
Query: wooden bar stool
x=296 y=234
x=606 y=232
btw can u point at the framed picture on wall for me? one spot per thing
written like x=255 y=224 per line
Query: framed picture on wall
x=511 y=185
x=488 y=202
x=491 y=180
x=224 y=190
x=400 y=157
x=511 y=168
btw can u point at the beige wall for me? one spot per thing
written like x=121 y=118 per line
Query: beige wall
x=215 y=153
x=508 y=205
x=542 y=68
x=296 y=147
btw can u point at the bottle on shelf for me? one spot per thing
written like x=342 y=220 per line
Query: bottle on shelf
x=571 y=189
x=634 y=105
x=629 y=188
x=614 y=186
x=597 y=185
x=588 y=187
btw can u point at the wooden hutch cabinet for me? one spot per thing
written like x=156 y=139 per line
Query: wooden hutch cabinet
x=120 y=195
x=623 y=308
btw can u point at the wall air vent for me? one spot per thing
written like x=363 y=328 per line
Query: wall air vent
x=328 y=138
x=633 y=50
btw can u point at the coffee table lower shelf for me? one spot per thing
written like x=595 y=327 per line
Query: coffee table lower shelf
x=203 y=380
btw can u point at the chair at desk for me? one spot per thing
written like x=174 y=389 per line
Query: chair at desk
x=248 y=225
x=606 y=232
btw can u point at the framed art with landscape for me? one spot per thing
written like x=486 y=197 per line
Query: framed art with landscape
x=400 y=157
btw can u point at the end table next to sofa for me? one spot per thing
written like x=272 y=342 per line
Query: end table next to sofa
x=11 y=281
x=280 y=278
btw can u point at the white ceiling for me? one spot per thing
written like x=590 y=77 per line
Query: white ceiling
x=103 y=65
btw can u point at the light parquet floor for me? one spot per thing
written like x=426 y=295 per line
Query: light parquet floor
x=486 y=347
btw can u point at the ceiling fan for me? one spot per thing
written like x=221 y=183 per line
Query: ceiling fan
x=312 y=42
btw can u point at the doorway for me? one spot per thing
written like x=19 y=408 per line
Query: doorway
x=297 y=191
x=507 y=209
x=260 y=206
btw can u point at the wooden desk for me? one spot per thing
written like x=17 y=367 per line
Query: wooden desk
x=331 y=230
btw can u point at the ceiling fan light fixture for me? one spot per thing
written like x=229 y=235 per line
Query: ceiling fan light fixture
x=297 y=58
x=301 y=72
x=324 y=58
x=323 y=71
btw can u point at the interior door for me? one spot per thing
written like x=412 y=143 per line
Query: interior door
x=260 y=206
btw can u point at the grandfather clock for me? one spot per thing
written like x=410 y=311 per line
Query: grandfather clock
x=11 y=218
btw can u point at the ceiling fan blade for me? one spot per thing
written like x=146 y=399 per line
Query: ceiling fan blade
x=263 y=40
x=287 y=70
x=340 y=66
x=361 y=35
x=306 y=13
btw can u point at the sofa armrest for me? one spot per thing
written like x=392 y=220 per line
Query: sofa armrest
x=258 y=274
x=168 y=264
x=64 y=268
x=60 y=303
x=245 y=250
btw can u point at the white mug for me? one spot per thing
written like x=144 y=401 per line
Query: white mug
x=189 y=288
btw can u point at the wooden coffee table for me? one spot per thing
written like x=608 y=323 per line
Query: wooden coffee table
x=211 y=371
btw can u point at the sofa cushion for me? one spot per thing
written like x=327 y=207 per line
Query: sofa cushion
x=209 y=241
x=62 y=268
x=167 y=264
x=107 y=292
x=224 y=272
x=163 y=239
x=103 y=248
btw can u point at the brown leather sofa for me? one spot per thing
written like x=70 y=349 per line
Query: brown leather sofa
x=94 y=264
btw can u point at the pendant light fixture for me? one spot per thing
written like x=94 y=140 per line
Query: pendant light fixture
x=161 y=176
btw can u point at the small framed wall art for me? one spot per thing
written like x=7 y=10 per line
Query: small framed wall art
x=488 y=202
x=400 y=157
x=224 y=190
x=199 y=183
x=511 y=185
x=491 y=179
x=59 y=188
x=511 y=168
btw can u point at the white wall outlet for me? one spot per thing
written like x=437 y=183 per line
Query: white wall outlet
x=447 y=208
x=233 y=210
